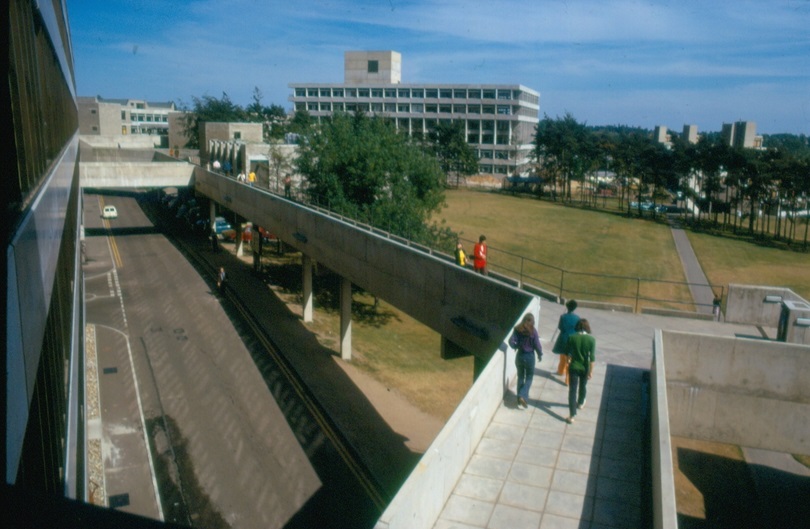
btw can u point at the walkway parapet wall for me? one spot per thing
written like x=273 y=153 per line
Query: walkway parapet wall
x=757 y=305
x=740 y=391
x=737 y=391
x=422 y=497
x=471 y=310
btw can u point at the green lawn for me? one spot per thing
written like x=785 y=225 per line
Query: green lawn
x=590 y=241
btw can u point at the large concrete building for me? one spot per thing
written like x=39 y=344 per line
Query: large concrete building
x=114 y=117
x=499 y=120
x=741 y=134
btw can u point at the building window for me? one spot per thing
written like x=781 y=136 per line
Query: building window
x=417 y=93
x=417 y=108
x=390 y=107
x=390 y=92
x=123 y=130
x=337 y=92
x=351 y=107
x=312 y=92
x=338 y=107
x=459 y=109
x=488 y=109
x=460 y=93
x=489 y=94
x=404 y=92
x=431 y=108
x=373 y=66
x=446 y=93
x=300 y=106
x=504 y=110
x=474 y=94
x=351 y=92
x=376 y=107
x=504 y=94
x=403 y=107
x=300 y=92
x=312 y=107
x=445 y=109
x=325 y=107
x=363 y=92
x=123 y=115
x=325 y=92
x=376 y=92
x=237 y=135
x=474 y=109
x=432 y=93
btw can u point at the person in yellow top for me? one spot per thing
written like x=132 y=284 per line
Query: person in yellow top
x=251 y=178
x=461 y=257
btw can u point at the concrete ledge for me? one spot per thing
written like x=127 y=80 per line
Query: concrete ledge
x=677 y=313
x=665 y=511
x=616 y=307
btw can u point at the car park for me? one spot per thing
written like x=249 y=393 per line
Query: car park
x=109 y=212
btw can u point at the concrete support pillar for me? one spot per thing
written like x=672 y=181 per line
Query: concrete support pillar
x=238 y=241
x=345 y=319
x=212 y=212
x=306 y=265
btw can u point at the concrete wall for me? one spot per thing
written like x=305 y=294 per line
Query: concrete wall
x=739 y=391
x=665 y=514
x=746 y=304
x=421 y=498
x=135 y=174
x=472 y=311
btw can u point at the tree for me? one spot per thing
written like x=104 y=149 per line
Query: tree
x=209 y=109
x=359 y=166
x=456 y=156
x=566 y=148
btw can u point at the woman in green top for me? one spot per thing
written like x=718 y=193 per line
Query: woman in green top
x=581 y=352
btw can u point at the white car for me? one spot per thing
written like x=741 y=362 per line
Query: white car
x=109 y=212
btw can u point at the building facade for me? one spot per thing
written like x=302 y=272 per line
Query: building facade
x=499 y=120
x=741 y=134
x=123 y=117
x=41 y=415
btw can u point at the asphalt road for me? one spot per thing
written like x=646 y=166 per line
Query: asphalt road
x=235 y=440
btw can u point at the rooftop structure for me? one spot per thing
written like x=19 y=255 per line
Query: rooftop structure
x=499 y=119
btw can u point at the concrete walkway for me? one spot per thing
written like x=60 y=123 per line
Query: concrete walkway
x=702 y=293
x=532 y=470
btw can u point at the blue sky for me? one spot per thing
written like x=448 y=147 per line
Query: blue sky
x=607 y=62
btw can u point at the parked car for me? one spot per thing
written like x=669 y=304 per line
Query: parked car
x=109 y=212
x=221 y=226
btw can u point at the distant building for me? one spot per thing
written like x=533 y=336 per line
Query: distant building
x=661 y=135
x=499 y=120
x=741 y=134
x=690 y=133
x=123 y=117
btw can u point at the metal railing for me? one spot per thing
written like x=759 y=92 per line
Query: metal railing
x=636 y=293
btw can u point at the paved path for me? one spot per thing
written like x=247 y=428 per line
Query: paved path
x=532 y=470
x=702 y=293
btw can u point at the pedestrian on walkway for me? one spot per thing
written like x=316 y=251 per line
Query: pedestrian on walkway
x=716 y=308
x=287 y=187
x=221 y=280
x=214 y=241
x=461 y=257
x=581 y=354
x=480 y=255
x=526 y=342
x=566 y=327
x=251 y=178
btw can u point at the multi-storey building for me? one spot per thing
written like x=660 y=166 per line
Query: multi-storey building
x=499 y=120
x=741 y=134
x=113 y=117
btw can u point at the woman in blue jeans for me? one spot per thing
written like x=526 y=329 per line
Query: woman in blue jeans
x=526 y=342
x=581 y=353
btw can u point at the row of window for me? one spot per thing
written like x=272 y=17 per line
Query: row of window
x=149 y=118
x=413 y=93
x=408 y=108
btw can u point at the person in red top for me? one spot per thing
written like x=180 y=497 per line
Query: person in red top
x=480 y=255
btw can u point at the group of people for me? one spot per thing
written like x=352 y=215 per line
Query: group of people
x=479 y=255
x=575 y=346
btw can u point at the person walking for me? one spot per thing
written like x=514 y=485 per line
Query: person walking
x=566 y=327
x=526 y=342
x=251 y=178
x=287 y=187
x=581 y=354
x=221 y=280
x=480 y=255
x=461 y=257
